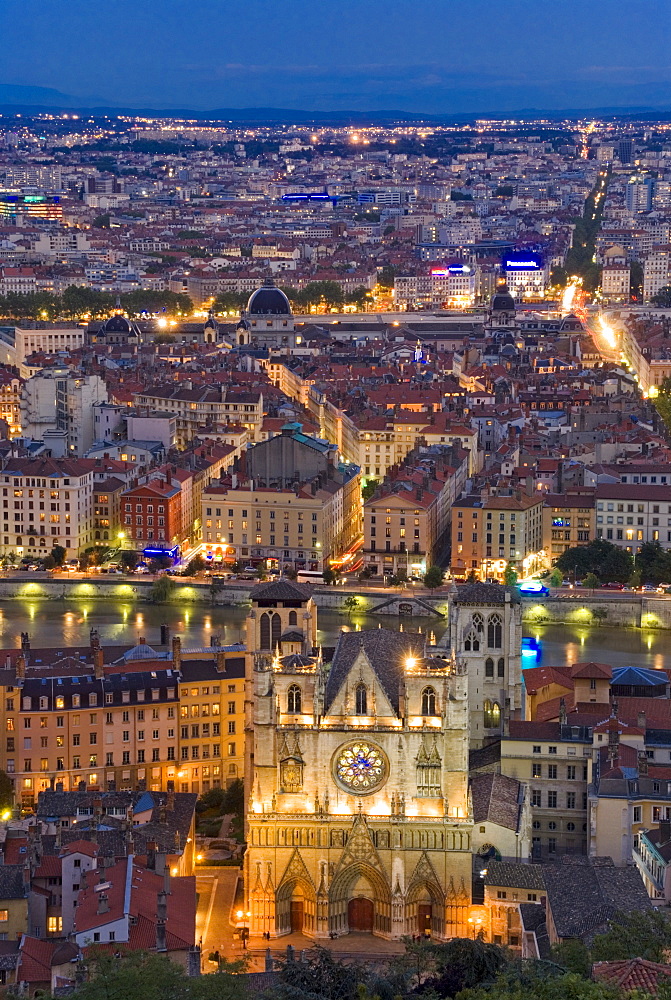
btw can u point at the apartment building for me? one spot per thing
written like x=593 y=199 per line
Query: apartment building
x=629 y=514
x=491 y=531
x=60 y=403
x=554 y=761
x=46 y=502
x=384 y=441
x=154 y=720
x=211 y=696
x=107 y=511
x=311 y=526
x=10 y=403
x=568 y=520
x=202 y=406
x=406 y=521
x=152 y=514
x=656 y=271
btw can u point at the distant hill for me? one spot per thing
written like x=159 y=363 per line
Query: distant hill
x=16 y=99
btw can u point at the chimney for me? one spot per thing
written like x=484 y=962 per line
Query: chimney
x=170 y=800
x=94 y=639
x=25 y=641
x=161 y=939
x=220 y=661
x=98 y=656
x=26 y=877
x=642 y=764
x=151 y=855
x=21 y=667
x=176 y=653
x=103 y=903
x=640 y=721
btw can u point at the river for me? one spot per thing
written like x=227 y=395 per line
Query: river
x=68 y=622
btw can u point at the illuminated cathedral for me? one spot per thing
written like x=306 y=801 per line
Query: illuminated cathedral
x=358 y=814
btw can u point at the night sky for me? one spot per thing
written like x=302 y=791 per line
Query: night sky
x=436 y=56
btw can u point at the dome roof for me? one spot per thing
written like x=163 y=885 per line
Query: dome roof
x=117 y=324
x=268 y=300
x=502 y=300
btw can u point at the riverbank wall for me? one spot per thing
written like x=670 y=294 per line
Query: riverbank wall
x=602 y=608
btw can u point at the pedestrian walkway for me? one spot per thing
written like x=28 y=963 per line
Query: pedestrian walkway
x=353 y=946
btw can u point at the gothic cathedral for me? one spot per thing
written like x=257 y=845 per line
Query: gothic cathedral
x=359 y=817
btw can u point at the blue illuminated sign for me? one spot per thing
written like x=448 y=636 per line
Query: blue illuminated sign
x=522 y=262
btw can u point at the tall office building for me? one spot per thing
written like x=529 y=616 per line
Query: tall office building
x=639 y=194
x=625 y=150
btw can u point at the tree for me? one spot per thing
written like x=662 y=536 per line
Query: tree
x=462 y=964
x=58 y=554
x=320 y=978
x=645 y=934
x=510 y=576
x=50 y=563
x=161 y=589
x=543 y=985
x=197 y=565
x=590 y=580
x=350 y=604
x=433 y=578
x=101 y=221
x=329 y=576
x=137 y=975
x=6 y=791
x=599 y=557
x=556 y=578
x=663 y=297
x=129 y=560
x=573 y=956
x=370 y=487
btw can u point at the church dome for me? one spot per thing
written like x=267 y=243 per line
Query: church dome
x=268 y=300
x=117 y=324
x=502 y=300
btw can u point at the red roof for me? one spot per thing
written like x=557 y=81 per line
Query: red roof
x=632 y=974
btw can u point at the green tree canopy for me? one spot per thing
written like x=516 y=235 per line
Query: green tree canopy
x=433 y=577
x=600 y=557
x=634 y=935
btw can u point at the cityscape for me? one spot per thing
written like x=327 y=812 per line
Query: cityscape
x=335 y=561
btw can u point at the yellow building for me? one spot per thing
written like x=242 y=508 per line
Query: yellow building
x=568 y=520
x=125 y=723
x=554 y=761
x=309 y=527
x=212 y=720
x=491 y=531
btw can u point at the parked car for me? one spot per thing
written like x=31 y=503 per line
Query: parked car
x=142 y=568
x=613 y=586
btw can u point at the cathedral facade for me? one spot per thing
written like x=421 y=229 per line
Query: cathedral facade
x=358 y=811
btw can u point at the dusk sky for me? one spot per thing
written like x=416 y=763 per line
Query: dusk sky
x=440 y=56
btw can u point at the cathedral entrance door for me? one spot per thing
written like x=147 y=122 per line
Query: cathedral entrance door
x=360 y=913
x=296 y=916
x=424 y=915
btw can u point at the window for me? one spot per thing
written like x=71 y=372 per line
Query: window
x=536 y=770
x=552 y=800
x=494 y=632
x=54 y=925
x=361 y=700
x=492 y=714
x=552 y=770
x=294 y=700
x=489 y=667
x=428 y=701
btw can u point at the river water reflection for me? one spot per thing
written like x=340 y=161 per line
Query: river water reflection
x=68 y=622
